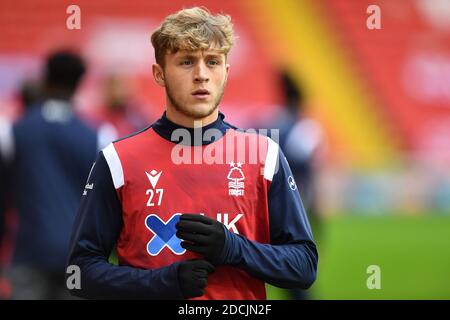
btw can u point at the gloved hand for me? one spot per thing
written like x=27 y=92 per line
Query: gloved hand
x=202 y=235
x=193 y=277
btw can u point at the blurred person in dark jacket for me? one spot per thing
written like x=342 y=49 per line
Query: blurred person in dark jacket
x=46 y=157
x=29 y=95
x=300 y=138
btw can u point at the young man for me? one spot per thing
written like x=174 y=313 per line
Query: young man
x=197 y=228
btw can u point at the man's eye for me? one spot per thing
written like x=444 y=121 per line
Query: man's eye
x=213 y=62
x=186 y=62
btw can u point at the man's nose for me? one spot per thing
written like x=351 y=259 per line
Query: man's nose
x=201 y=73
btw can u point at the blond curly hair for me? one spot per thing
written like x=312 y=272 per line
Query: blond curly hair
x=193 y=29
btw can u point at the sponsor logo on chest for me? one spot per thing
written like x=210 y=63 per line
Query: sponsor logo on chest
x=164 y=231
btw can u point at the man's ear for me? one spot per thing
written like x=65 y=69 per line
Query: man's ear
x=227 y=71
x=158 y=74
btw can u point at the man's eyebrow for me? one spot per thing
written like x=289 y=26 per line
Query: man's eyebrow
x=194 y=57
x=214 y=55
x=187 y=55
x=208 y=55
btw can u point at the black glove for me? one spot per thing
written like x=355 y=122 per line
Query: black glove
x=203 y=235
x=193 y=277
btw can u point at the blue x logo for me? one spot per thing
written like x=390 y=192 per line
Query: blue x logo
x=165 y=235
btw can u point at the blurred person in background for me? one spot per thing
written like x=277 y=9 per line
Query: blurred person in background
x=118 y=115
x=119 y=106
x=300 y=139
x=46 y=157
x=30 y=94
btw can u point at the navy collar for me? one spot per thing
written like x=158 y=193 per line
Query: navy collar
x=164 y=127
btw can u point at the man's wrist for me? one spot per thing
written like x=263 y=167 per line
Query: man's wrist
x=176 y=266
x=227 y=256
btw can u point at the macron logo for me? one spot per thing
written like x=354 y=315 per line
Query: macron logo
x=88 y=186
x=153 y=177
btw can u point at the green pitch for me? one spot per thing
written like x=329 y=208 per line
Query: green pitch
x=413 y=254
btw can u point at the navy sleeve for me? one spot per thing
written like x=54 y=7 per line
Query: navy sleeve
x=290 y=260
x=94 y=236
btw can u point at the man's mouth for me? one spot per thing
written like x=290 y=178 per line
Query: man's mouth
x=201 y=93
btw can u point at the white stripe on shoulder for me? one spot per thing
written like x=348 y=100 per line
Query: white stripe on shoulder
x=6 y=140
x=115 y=166
x=271 y=163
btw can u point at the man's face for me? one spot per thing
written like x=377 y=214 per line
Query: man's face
x=194 y=81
